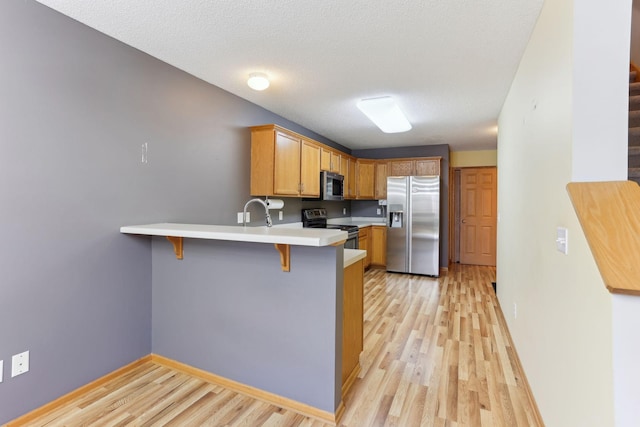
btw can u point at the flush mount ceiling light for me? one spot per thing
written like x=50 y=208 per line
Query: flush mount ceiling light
x=385 y=114
x=258 y=81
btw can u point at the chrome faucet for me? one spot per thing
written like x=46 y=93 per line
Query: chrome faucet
x=266 y=210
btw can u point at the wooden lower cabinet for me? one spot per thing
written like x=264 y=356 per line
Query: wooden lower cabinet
x=379 y=245
x=364 y=243
x=352 y=320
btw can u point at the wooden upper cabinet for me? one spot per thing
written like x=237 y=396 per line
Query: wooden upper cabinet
x=325 y=159
x=309 y=169
x=287 y=165
x=344 y=168
x=283 y=163
x=350 y=192
x=381 y=180
x=401 y=168
x=344 y=171
x=365 y=178
x=335 y=162
x=427 y=167
x=330 y=160
x=417 y=166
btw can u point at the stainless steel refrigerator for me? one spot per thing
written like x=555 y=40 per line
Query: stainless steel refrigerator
x=413 y=224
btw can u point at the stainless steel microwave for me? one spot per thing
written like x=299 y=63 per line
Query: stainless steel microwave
x=331 y=186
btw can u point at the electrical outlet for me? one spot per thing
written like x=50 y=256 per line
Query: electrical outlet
x=344 y=211
x=280 y=215
x=515 y=310
x=379 y=211
x=19 y=363
x=240 y=217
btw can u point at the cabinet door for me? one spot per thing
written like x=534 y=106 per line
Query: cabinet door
x=365 y=179
x=335 y=162
x=427 y=167
x=401 y=168
x=379 y=245
x=364 y=243
x=309 y=169
x=381 y=180
x=352 y=320
x=351 y=189
x=286 y=175
x=344 y=171
x=325 y=160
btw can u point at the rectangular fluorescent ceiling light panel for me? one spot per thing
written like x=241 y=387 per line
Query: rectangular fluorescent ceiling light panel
x=385 y=114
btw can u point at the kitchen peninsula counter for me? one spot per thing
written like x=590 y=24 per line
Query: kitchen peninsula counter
x=227 y=307
x=276 y=235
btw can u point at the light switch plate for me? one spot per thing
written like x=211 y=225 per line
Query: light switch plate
x=562 y=240
x=19 y=363
x=1 y=369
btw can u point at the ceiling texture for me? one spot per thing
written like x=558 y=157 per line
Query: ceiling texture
x=448 y=63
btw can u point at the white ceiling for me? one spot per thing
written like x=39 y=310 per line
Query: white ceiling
x=448 y=63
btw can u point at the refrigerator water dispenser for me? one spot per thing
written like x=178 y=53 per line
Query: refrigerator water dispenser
x=396 y=216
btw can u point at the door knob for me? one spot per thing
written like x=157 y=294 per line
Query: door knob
x=464 y=221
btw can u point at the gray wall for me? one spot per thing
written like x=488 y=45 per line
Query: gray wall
x=368 y=208
x=228 y=308
x=75 y=106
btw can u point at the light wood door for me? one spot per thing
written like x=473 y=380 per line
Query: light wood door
x=309 y=169
x=381 y=180
x=287 y=165
x=478 y=214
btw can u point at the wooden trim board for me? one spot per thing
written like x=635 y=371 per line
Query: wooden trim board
x=518 y=363
x=609 y=213
x=63 y=400
x=264 y=396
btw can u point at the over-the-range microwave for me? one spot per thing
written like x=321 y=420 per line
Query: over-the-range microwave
x=331 y=186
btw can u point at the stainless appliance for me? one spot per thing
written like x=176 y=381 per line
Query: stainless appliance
x=331 y=186
x=413 y=224
x=317 y=218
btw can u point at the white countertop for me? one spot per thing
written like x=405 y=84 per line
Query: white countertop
x=359 y=221
x=353 y=255
x=282 y=235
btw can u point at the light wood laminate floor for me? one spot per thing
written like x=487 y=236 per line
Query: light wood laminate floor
x=436 y=353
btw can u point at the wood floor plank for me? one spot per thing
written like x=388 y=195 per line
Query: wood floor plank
x=436 y=353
